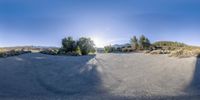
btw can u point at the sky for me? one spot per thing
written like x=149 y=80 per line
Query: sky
x=46 y=22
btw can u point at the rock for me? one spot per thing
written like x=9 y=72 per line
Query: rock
x=156 y=52
x=147 y=51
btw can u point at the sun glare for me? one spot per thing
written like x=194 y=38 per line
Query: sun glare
x=98 y=42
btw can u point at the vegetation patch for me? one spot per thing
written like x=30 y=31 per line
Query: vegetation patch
x=169 y=44
x=4 y=53
x=143 y=44
x=185 y=52
x=70 y=47
x=50 y=51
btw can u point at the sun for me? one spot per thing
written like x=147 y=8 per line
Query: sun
x=99 y=42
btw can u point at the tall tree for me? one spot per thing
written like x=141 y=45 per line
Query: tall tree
x=142 y=41
x=146 y=43
x=134 y=42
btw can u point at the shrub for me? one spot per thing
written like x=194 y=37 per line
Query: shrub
x=71 y=47
x=68 y=44
x=93 y=51
x=134 y=43
x=127 y=49
x=50 y=51
x=86 y=45
x=108 y=49
x=13 y=53
x=61 y=51
x=72 y=54
x=2 y=54
x=78 y=50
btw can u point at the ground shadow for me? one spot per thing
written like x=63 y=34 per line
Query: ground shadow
x=46 y=77
x=34 y=75
x=195 y=82
x=78 y=76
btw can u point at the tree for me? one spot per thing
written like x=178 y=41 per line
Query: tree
x=93 y=50
x=144 y=42
x=68 y=44
x=147 y=44
x=141 y=41
x=108 y=49
x=86 y=45
x=78 y=50
x=134 y=42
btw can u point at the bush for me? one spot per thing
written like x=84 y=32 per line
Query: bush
x=108 y=49
x=70 y=47
x=61 y=51
x=134 y=43
x=127 y=49
x=72 y=54
x=78 y=50
x=2 y=54
x=13 y=53
x=68 y=44
x=86 y=45
x=50 y=51
x=93 y=51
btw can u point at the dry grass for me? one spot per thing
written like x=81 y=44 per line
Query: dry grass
x=180 y=52
x=185 y=52
x=1 y=50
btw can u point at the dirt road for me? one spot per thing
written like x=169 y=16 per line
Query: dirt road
x=101 y=77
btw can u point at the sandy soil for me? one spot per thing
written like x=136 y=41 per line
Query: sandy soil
x=132 y=76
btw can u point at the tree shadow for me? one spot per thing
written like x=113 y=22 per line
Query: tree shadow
x=50 y=76
x=77 y=76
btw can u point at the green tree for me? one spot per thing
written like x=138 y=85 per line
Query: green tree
x=68 y=44
x=78 y=50
x=141 y=41
x=86 y=45
x=93 y=50
x=108 y=49
x=134 y=42
x=144 y=42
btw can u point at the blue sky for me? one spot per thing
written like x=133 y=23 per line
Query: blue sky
x=46 y=22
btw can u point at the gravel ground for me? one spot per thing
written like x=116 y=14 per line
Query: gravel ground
x=134 y=76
